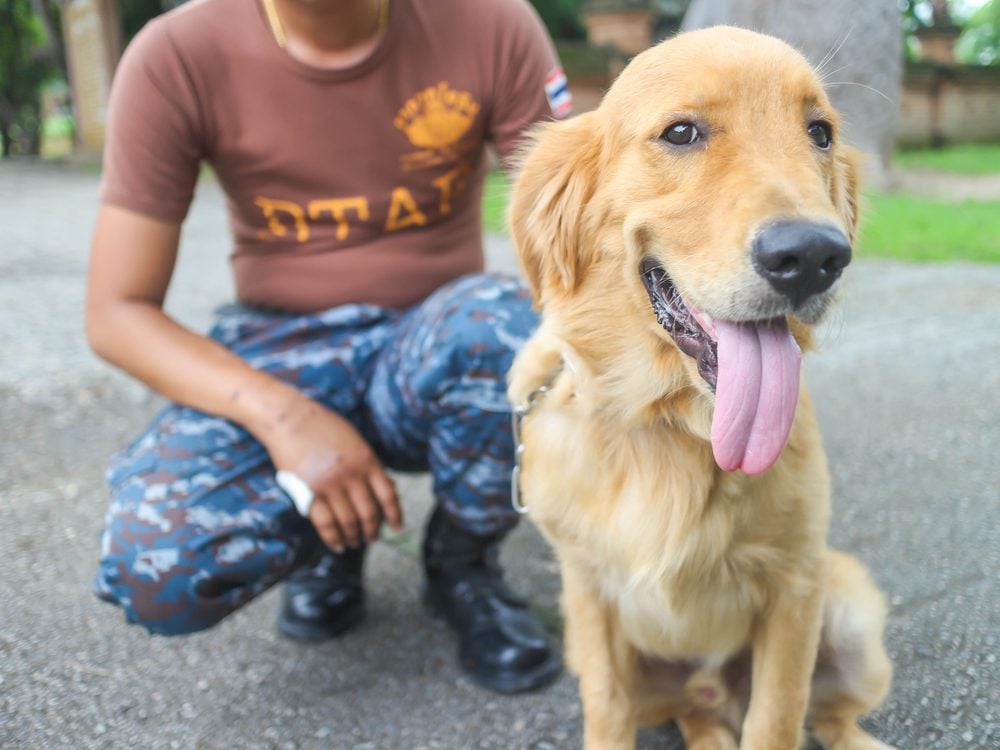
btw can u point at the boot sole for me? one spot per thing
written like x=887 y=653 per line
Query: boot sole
x=308 y=633
x=521 y=682
x=506 y=683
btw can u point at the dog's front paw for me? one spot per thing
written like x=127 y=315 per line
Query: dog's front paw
x=772 y=739
x=846 y=735
x=722 y=740
x=860 y=742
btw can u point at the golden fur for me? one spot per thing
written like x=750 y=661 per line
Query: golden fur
x=682 y=584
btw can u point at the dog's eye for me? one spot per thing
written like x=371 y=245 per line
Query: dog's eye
x=681 y=134
x=819 y=134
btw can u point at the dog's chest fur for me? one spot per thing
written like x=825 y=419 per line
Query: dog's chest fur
x=685 y=556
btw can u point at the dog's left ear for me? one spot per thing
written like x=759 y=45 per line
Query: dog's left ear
x=548 y=204
x=846 y=188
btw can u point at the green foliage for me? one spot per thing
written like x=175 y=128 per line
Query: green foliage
x=980 y=42
x=965 y=158
x=916 y=14
x=561 y=17
x=24 y=68
x=135 y=14
x=495 y=195
x=58 y=126
x=581 y=59
x=921 y=229
x=894 y=226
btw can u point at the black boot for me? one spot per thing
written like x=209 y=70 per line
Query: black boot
x=324 y=599
x=502 y=644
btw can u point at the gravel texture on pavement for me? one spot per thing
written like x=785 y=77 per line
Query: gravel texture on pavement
x=906 y=383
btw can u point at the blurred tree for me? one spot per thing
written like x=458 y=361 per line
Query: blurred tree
x=669 y=14
x=980 y=42
x=135 y=14
x=48 y=15
x=561 y=17
x=857 y=46
x=916 y=15
x=30 y=54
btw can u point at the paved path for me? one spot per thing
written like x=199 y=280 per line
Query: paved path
x=907 y=385
x=946 y=186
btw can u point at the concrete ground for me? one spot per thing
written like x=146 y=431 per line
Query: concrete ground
x=907 y=384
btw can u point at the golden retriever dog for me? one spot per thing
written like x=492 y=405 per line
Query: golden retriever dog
x=680 y=241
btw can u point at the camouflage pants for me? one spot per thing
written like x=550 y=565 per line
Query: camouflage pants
x=197 y=526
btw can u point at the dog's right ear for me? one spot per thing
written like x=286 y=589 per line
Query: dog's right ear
x=549 y=204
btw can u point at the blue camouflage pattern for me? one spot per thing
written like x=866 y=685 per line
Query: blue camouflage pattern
x=197 y=526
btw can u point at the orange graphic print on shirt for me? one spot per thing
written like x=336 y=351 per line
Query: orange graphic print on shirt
x=435 y=120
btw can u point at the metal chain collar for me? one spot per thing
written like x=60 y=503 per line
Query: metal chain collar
x=517 y=416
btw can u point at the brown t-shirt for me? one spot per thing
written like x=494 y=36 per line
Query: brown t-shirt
x=354 y=185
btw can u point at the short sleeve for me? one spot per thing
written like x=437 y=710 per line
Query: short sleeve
x=154 y=144
x=529 y=83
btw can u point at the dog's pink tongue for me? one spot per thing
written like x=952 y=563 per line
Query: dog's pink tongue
x=756 y=394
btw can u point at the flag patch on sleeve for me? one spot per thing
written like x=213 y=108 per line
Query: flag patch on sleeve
x=557 y=92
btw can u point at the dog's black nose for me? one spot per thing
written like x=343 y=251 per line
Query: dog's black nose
x=800 y=258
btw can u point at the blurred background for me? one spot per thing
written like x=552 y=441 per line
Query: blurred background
x=906 y=384
x=917 y=80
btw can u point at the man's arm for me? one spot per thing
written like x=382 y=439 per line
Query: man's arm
x=132 y=260
x=531 y=91
x=131 y=264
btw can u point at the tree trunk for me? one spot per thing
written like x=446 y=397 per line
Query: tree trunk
x=860 y=45
x=54 y=48
x=31 y=140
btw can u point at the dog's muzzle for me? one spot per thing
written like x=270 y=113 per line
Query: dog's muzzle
x=800 y=259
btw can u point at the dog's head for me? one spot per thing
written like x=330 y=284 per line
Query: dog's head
x=711 y=191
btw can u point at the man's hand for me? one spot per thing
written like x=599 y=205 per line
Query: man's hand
x=353 y=492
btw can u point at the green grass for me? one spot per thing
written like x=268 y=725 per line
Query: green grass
x=57 y=137
x=495 y=195
x=968 y=158
x=58 y=126
x=894 y=226
x=922 y=229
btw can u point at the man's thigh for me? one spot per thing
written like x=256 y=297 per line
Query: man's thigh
x=437 y=397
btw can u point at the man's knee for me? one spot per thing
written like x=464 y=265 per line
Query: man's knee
x=196 y=526
x=155 y=588
x=183 y=583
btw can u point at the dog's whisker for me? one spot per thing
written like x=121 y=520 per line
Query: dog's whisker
x=828 y=57
x=826 y=74
x=835 y=322
x=862 y=85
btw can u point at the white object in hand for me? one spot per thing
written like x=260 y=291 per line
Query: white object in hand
x=296 y=488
